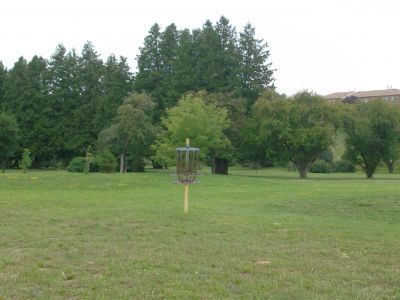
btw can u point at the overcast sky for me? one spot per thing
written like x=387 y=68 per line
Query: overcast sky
x=324 y=46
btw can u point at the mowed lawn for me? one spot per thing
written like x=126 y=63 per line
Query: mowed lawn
x=249 y=235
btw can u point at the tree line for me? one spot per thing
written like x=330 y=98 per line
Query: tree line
x=211 y=84
x=62 y=103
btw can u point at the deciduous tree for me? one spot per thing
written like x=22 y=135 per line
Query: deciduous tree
x=132 y=133
x=372 y=131
x=202 y=123
x=296 y=130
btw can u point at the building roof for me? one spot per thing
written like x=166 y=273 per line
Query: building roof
x=377 y=93
x=364 y=94
x=340 y=95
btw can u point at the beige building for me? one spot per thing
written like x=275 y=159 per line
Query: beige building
x=390 y=95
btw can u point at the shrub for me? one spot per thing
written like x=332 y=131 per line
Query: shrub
x=138 y=165
x=26 y=160
x=77 y=164
x=343 y=166
x=320 y=166
x=106 y=162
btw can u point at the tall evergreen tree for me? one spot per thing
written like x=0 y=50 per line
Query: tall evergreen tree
x=229 y=58
x=3 y=74
x=117 y=84
x=30 y=119
x=8 y=138
x=15 y=87
x=157 y=68
x=207 y=52
x=185 y=64
x=168 y=92
x=149 y=62
x=25 y=93
x=256 y=72
x=64 y=92
x=90 y=78
x=212 y=58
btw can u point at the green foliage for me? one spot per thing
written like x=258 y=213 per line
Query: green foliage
x=3 y=75
x=117 y=83
x=132 y=133
x=255 y=72
x=321 y=166
x=61 y=103
x=343 y=166
x=106 y=161
x=26 y=160
x=214 y=58
x=8 y=138
x=25 y=89
x=372 y=133
x=202 y=123
x=78 y=164
x=251 y=150
x=236 y=108
x=297 y=130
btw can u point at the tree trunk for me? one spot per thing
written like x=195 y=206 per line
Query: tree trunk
x=369 y=172
x=302 y=172
x=156 y=165
x=3 y=166
x=220 y=166
x=301 y=168
x=390 y=166
x=122 y=162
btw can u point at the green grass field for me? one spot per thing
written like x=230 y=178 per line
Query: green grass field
x=249 y=235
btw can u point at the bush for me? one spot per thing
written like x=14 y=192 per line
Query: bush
x=320 y=166
x=77 y=164
x=26 y=160
x=138 y=165
x=343 y=166
x=106 y=162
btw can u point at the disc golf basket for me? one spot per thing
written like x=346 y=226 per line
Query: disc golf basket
x=187 y=166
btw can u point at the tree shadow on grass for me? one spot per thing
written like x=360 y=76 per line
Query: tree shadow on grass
x=324 y=177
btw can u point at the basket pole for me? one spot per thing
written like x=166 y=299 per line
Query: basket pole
x=186 y=200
